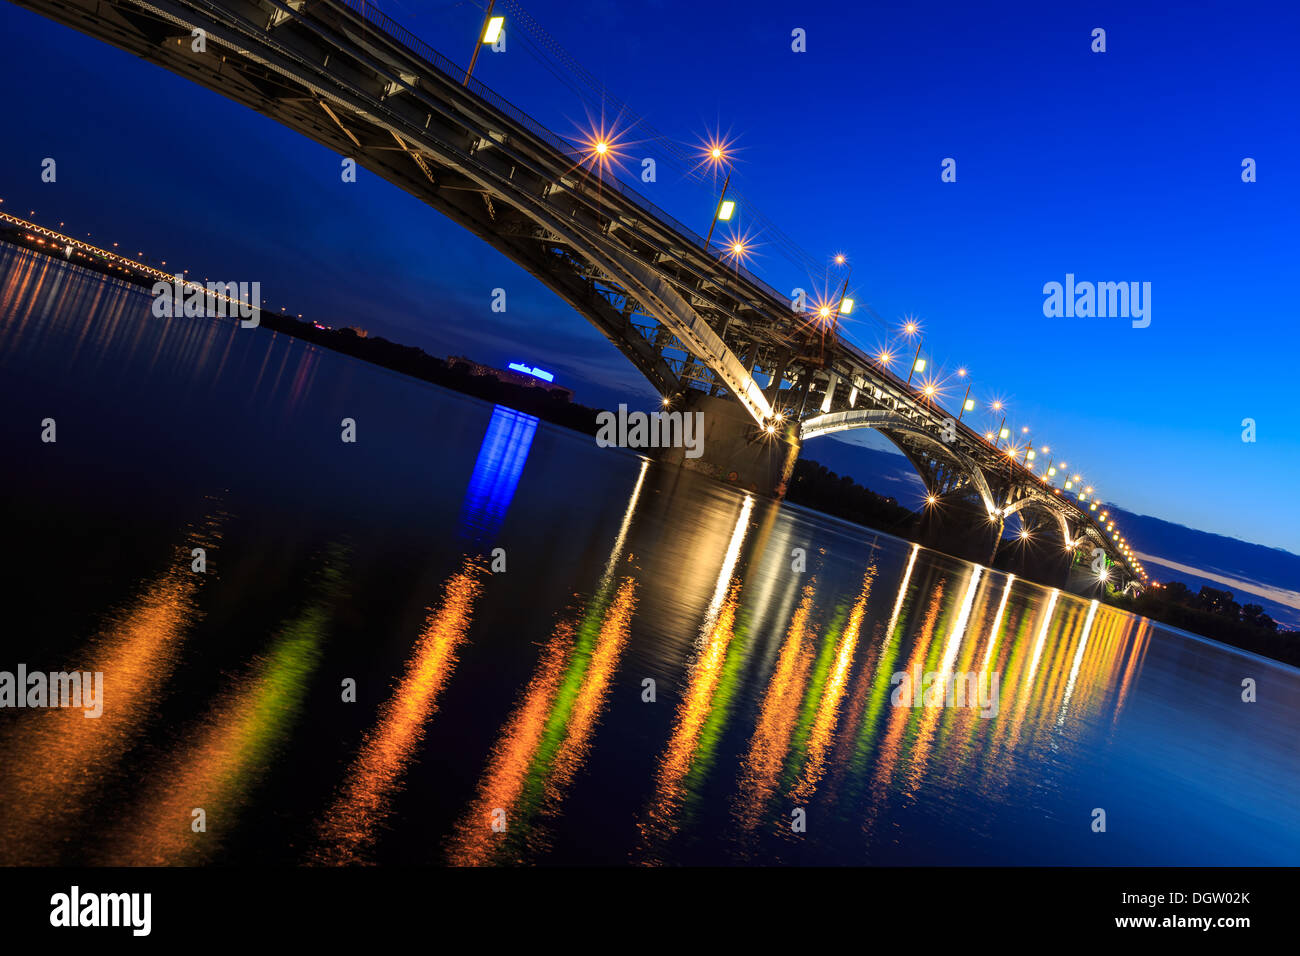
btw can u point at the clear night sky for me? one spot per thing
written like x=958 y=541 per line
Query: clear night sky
x=1122 y=166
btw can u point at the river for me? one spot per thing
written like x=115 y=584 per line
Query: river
x=470 y=637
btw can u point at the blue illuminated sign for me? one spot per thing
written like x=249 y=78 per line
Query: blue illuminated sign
x=532 y=370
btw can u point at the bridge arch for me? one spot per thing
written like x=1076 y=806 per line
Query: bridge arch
x=1045 y=506
x=891 y=424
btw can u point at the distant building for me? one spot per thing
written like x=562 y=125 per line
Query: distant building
x=509 y=375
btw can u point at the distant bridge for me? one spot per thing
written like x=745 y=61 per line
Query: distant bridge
x=706 y=332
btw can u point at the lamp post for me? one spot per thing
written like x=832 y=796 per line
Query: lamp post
x=489 y=32
x=915 y=358
x=966 y=404
x=843 y=305
x=723 y=210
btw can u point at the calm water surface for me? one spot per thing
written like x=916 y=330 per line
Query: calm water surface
x=519 y=698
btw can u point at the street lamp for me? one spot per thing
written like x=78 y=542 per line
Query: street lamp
x=918 y=364
x=489 y=34
x=967 y=403
x=715 y=155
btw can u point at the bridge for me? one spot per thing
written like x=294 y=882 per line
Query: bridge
x=706 y=332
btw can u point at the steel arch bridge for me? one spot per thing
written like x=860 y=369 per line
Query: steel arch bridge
x=343 y=74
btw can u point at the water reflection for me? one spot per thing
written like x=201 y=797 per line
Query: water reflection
x=545 y=741
x=497 y=470
x=56 y=762
x=704 y=676
x=772 y=736
x=349 y=827
x=192 y=802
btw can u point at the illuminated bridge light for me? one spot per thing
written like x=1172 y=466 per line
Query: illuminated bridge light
x=492 y=32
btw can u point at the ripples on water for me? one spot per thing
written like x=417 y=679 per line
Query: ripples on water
x=504 y=717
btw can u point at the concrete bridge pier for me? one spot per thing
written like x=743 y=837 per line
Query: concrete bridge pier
x=733 y=448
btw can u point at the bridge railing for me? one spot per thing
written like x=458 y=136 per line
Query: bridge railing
x=404 y=37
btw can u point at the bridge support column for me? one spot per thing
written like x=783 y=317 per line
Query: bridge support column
x=735 y=450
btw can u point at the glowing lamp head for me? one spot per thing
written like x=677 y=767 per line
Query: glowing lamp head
x=726 y=210
x=492 y=32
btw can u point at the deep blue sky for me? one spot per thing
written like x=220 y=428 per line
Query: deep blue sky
x=1117 y=166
